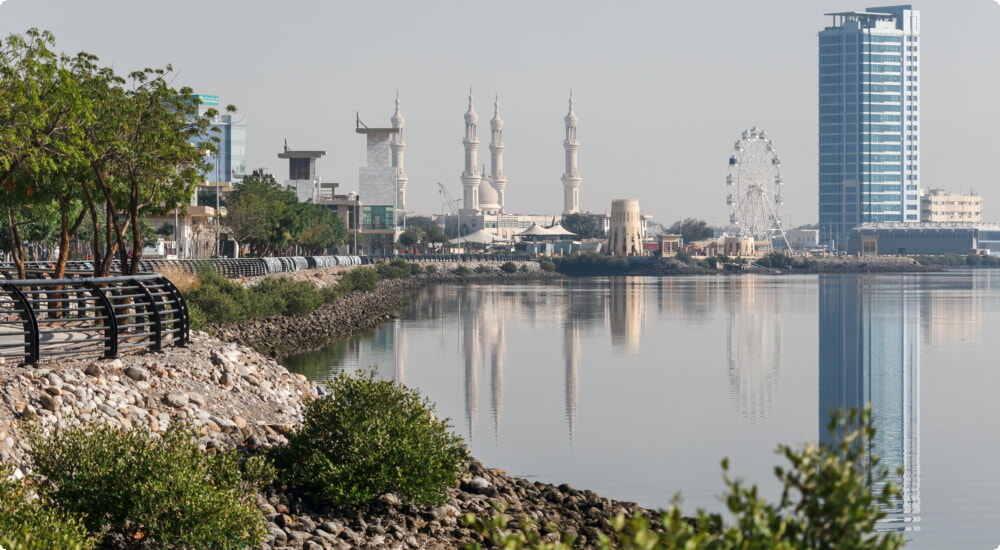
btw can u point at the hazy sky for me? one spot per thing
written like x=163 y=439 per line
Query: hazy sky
x=662 y=88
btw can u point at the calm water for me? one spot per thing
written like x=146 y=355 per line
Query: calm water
x=637 y=387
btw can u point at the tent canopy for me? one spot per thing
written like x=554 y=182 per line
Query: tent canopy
x=480 y=236
x=535 y=231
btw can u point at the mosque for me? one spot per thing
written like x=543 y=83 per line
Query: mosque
x=484 y=195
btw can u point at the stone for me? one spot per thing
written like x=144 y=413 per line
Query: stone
x=176 y=399
x=48 y=402
x=138 y=374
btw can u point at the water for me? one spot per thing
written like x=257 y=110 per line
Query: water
x=637 y=387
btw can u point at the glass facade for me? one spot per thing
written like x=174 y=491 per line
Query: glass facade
x=867 y=85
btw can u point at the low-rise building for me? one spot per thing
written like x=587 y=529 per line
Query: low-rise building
x=938 y=205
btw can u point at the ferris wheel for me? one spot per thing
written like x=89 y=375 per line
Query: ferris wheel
x=755 y=184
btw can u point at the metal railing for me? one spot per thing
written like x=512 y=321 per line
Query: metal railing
x=48 y=318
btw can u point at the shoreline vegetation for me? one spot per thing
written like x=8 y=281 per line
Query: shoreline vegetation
x=234 y=417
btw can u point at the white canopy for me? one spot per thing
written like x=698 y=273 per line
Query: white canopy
x=535 y=231
x=480 y=236
x=558 y=229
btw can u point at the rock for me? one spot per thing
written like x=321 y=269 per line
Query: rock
x=138 y=374
x=176 y=399
x=48 y=402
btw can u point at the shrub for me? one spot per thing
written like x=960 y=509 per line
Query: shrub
x=364 y=279
x=370 y=437
x=146 y=487
x=483 y=269
x=287 y=296
x=826 y=502
x=547 y=266
x=461 y=270
x=416 y=269
x=523 y=268
x=28 y=523
x=220 y=299
x=432 y=269
x=196 y=316
x=508 y=267
x=396 y=269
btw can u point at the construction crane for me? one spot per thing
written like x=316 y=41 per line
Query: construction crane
x=451 y=202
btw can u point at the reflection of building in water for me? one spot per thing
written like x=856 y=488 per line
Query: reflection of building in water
x=954 y=315
x=571 y=353
x=400 y=336
x=754 y=346
x=482 y=334
x=627 y=310
x=869 y=353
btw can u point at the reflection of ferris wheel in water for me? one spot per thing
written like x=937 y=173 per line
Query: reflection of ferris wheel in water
x=755 y=184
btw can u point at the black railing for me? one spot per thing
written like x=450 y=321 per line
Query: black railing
x=48 y=318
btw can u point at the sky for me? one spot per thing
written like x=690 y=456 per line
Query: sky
x=662 y=89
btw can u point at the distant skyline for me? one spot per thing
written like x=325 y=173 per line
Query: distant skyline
x=662 y=90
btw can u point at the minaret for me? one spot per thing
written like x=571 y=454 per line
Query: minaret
x=496 y=154
x=398 y=146
x=571 y=179
x=471 y=177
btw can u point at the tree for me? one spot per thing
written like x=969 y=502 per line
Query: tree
x=692 y=230
x=432 y=231
x=413 y=236
x=585 y=224
x=247 y=209
x=324 y=229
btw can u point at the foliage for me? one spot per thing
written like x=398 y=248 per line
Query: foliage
x=288 y=296
x=197 y=316
x=692 y=230
x=496 y=533
x=508 y=267
x=585 y=224
x=461 y=270
x=432 y=232
x=148 y=487
x=780 y=260
x=592 y=264
x=364 y=279
x=396 y=269
x=416 y=269
x=431 y=269
x=483 y=269
x=957 y=260
x=523 y=268
x=28 y=523
x=827 y=503
x=369 y=437
x=222 y=300
x=547 y=266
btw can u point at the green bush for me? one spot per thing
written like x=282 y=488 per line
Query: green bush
x=221 y=300
x=196 y=316
x=508 y=267
x=483 y=269
x=285 y=295
x=364 y=279
x=147 y=487
x=370 y=437
x=432 y=269
x=827 y=502
x=396 y=269
x=461 y=270
x=416 y=269
x=523 y=268
x=547 y=266
x=33 y=524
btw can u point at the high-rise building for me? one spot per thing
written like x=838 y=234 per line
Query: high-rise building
x=869 y=139
x=229 y=164
x=571 y=178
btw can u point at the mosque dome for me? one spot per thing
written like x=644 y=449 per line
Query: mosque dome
x=489 y=199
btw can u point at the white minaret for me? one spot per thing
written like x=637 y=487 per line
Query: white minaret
x=471 y=177
x=571 y=179
x=398 y=146
x=496 y=154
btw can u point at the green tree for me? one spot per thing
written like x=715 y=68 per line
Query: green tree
x=692 y=230
x=323 y=229
x=585 y=224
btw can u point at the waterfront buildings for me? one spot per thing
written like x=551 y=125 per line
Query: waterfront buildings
x=302 y=176
x=937 y=205
x=869 y=107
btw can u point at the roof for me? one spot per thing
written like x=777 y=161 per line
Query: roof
x=377 y=130
x=988 y=226
x=301 y=154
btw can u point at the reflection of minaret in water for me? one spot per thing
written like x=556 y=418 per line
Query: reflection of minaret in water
x=470 y=350
x=400 y=376
x=496 y=350
x=754 y=347
x=571 y=351
x=869 y=353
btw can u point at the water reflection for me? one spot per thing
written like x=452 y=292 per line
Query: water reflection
x=869 y=353
x=753 y=353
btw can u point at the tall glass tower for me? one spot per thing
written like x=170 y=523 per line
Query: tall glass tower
x=869 y=109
